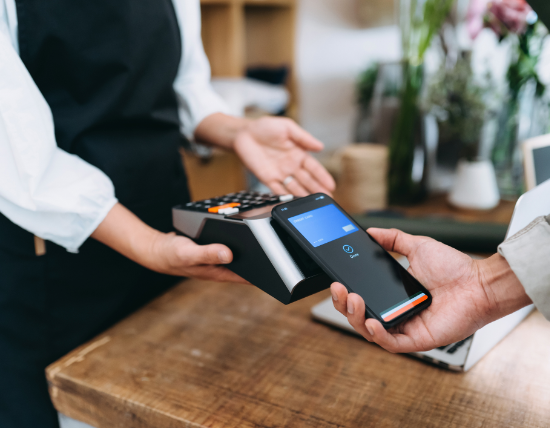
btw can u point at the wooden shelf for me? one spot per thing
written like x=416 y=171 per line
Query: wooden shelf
x=239 y=34
x=218 y=175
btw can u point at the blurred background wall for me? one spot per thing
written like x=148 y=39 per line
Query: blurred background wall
x=333 y=46
x=342 y=69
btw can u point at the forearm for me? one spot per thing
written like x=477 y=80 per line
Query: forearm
x=125 y=233
x=505 y=293
x=166 y=253
x=220 y=130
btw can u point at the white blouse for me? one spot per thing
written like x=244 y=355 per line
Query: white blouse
x=49 y=192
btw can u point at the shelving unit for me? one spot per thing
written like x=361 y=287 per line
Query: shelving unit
x=238 y=34
x=220 y=174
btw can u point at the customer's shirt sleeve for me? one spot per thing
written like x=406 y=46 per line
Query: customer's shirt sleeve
x=43 y=189
x=528 y=254
x=196 y=97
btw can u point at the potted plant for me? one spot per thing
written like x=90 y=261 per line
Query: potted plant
x=420 y=20
x=457 y=100
x=515 y=23
x=378 y=89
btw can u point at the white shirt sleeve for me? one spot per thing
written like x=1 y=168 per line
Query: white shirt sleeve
x=196 y=97
x=43 y=189
x=47 y=191
x=528 y=253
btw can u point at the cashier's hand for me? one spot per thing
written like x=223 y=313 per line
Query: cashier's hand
x=179 y=256
x=467 y=294
x=276 y=151
x=162 y=252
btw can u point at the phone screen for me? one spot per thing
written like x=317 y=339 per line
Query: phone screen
x=352 y=257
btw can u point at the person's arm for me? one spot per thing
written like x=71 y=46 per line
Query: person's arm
x=196 y=97
x=163 y=252
x=528 y=254
x=61 y=198
x=43 y=189
x=467 y=295
x=8 y=22
x=274 y=149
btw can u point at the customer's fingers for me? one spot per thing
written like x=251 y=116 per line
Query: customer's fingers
x=356 y=315
x=395 y=343
x=397 y=241
x=339 y=297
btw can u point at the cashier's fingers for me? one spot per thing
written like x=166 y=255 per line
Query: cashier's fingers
x=339 y=297
x=319 y=173
x=296 y=188
x=277 y=188
x=309 y=183
x=302 y=138
x=213 y=254
x=216 y=273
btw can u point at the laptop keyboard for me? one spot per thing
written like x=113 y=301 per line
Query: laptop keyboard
x=236 y=202
x=453 y=347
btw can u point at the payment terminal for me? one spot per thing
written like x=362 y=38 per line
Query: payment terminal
x=263 y=252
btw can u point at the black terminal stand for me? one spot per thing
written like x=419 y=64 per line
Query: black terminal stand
x=263 y=253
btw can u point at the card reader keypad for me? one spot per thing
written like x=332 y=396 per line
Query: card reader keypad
x=234 y=203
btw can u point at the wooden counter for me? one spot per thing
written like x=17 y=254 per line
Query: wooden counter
x=223 y=355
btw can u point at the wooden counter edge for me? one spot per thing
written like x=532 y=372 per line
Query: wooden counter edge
x=84 y=403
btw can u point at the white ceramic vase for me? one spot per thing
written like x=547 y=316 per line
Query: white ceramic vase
x=475 y=186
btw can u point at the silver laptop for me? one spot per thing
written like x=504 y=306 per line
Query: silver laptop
x=463 y=355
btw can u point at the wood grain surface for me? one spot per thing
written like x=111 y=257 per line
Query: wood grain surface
x=224 y=355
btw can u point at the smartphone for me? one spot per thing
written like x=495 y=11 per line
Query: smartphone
x=349 y=255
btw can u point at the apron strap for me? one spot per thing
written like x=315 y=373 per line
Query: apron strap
x=39 y=246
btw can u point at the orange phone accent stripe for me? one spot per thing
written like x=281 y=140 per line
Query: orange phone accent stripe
x=406 y=308
x=221 y=207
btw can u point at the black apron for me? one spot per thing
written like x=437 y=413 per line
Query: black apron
x=106 y=69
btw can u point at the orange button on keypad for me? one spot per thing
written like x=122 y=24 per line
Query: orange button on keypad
x=221 y=207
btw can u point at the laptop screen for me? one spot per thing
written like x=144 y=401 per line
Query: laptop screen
x=541 y=160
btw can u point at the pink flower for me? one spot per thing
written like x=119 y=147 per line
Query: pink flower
x=512 y=13
x=476 y=16
x=502 y=16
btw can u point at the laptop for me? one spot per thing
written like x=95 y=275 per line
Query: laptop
x=536 y=158
x=461 y=356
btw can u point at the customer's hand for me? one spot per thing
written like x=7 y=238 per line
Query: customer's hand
x=467 y=294
x=276 y=151
x=163 y=252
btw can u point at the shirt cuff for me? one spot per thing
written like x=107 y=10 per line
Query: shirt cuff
x=528 y=254
x=196 y=104
x=92 y=226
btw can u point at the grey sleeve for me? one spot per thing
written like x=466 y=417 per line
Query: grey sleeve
x=528 y=254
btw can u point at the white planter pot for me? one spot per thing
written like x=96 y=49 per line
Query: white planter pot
x=475 y=186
